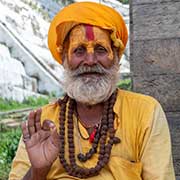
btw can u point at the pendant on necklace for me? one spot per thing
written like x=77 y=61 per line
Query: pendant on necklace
x=92 y=135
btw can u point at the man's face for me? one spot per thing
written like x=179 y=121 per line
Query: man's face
x=89 y=45
x=91 y=67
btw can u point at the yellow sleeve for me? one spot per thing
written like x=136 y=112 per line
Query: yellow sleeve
x=156 y=157
x=20 y=164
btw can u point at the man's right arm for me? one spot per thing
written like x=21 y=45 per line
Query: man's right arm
x=36 y=174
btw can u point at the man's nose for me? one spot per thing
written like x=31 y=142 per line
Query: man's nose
x=90 y=59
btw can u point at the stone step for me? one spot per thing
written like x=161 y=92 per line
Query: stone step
x=12 y=123
x=18 y=116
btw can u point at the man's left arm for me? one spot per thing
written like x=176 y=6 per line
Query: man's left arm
x=157 y=156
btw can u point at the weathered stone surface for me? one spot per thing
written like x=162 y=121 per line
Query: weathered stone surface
x=156 y=57
x=9 y=91
x=174 y=125
x=30 y=83
x=34 y=67
x=156 y=21
x=51 y=7
x=11 y=69
x=139 y=2
x=165 y=88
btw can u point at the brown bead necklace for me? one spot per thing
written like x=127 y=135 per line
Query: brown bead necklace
x=107 y=127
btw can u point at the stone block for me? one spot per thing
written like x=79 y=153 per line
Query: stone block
x=155 y=20
x=174 y=125
x=30 y=83
x=156 y=57
x=16 y=93
x=140 y=2
x=165 y=88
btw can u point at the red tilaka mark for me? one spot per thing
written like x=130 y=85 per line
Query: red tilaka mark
x=89 y=32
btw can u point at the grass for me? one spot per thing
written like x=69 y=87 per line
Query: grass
x=6 y=105
x=8 y=146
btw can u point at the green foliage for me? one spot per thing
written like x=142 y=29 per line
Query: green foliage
x=125 y=84
x=124 y=1
x=40 y=101
x=8 y=146
x=6 y=105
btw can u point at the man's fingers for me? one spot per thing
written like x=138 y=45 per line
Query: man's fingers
x=37 y=120
x=55 y=138
x=25 y=131
x=48 y=125
x=31 y=122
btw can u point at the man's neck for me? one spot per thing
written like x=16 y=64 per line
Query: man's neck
x=89 y=115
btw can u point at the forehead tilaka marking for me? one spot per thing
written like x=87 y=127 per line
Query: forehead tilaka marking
x=89 y=32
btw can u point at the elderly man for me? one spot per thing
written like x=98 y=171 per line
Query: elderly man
x=96 y=131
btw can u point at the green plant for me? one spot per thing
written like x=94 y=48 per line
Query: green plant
x=31 y=101
x=125 y=84
x=8 y=146
x=8 y=104
x=124 y=1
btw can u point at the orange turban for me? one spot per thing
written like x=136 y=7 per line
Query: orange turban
x=86 y=13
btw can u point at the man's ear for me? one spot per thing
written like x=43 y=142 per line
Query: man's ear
x=65 y=48
x=65 y=60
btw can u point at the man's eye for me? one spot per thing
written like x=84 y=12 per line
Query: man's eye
x=80 y=50
x=100 y=49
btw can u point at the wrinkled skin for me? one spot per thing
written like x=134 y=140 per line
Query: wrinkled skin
x=42 y=142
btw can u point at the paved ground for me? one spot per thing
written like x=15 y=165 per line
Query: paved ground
x=13 y=118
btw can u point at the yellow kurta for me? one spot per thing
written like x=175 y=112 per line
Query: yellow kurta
x=143 y=154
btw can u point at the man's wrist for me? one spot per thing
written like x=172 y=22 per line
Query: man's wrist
x=40 y=173
x=37 y=173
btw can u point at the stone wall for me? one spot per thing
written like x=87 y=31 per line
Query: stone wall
x=22 y=74
x=26 y=65
x=155 y=58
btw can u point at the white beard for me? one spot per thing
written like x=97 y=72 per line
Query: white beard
x=94 y=88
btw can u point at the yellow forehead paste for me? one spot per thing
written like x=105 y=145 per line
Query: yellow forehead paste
x=89 y=36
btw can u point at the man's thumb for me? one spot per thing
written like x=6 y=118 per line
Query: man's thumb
x=55 y=137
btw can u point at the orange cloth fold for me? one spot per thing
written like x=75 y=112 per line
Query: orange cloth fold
x=86 y=13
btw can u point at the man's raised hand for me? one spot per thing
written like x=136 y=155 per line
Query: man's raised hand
x=42 y=141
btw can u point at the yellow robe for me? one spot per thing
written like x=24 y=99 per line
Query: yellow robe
x=143 y=154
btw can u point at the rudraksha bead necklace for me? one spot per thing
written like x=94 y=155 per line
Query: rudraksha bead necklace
x=105 y=142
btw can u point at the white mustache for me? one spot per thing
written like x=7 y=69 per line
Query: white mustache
x=89 y=69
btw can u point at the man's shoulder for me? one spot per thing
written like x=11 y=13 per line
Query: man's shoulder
x=136 y=108
x=50 y=111
x=53 y=105
x=50 y=106
x=124 y=95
